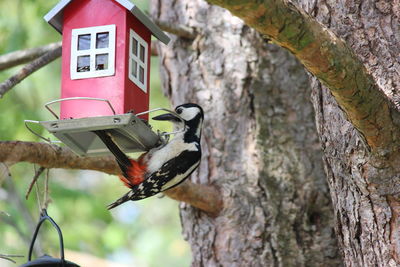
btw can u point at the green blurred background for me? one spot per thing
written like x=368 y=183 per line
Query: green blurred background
x=144 y=233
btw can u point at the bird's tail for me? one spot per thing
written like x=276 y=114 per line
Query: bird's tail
x=131 y=195
x=149 y=187
x=119 y=201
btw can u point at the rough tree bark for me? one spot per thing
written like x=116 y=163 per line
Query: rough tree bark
x=250 y=93
x=364 y=186
x=260 y=144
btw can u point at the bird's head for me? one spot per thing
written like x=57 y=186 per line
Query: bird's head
x=188 y=115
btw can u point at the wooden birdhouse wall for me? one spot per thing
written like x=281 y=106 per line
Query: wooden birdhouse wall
x=123 y=94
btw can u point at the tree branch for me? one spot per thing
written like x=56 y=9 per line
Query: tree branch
x=52 y=156
x=23 y=56
x=203 y=197
x=29 y=69
x=177 y=29
x=329 y=59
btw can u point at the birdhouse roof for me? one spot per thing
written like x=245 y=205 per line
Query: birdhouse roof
x=55 y=18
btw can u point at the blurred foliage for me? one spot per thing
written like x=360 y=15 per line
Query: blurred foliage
x=144 y=233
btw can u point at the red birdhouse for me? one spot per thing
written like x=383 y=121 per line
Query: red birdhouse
x=105 y=54
x=106 y=48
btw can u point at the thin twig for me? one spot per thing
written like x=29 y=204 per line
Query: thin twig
x=4 y=172
x=16 y=58
x=8 y=257
x=4 y=213
x=34 y=179
x=13 y=198
x=177 y=29
x=39 y=203
x=47 y=199
x=29 y=69
x=7 y=220
x=154 y=49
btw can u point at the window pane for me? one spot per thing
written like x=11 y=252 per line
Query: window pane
x=102 y=62
x=83 y=64
x=141 y=74
x=84 y=42
x=102 y=40
x=134 y=46
x=134 y=68
x=142 y=53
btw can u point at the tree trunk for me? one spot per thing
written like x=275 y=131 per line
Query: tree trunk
x=260 y=147
x=364 y=186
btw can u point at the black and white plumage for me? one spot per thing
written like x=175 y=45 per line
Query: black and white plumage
x=169 y=165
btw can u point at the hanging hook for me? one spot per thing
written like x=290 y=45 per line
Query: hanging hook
x=43 y=217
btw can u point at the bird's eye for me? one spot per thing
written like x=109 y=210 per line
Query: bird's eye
x=179 y=110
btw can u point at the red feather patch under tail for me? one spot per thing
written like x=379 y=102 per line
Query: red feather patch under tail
x=135 y=173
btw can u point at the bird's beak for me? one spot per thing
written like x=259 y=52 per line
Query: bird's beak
x=167 y=117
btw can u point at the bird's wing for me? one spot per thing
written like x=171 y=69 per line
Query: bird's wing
x=171 y=174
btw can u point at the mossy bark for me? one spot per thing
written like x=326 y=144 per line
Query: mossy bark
x=364 y=186
x=329 y=58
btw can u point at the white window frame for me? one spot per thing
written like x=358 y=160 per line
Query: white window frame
x=92 y=52
x=144 y=65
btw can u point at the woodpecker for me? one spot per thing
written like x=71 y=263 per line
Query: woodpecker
x=165 y=166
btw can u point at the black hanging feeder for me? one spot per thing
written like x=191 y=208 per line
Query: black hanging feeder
x=47 y=260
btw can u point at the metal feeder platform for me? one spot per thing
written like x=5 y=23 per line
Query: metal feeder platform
x=129 y=132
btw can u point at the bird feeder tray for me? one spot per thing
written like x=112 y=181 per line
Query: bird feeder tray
x=128 y=131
